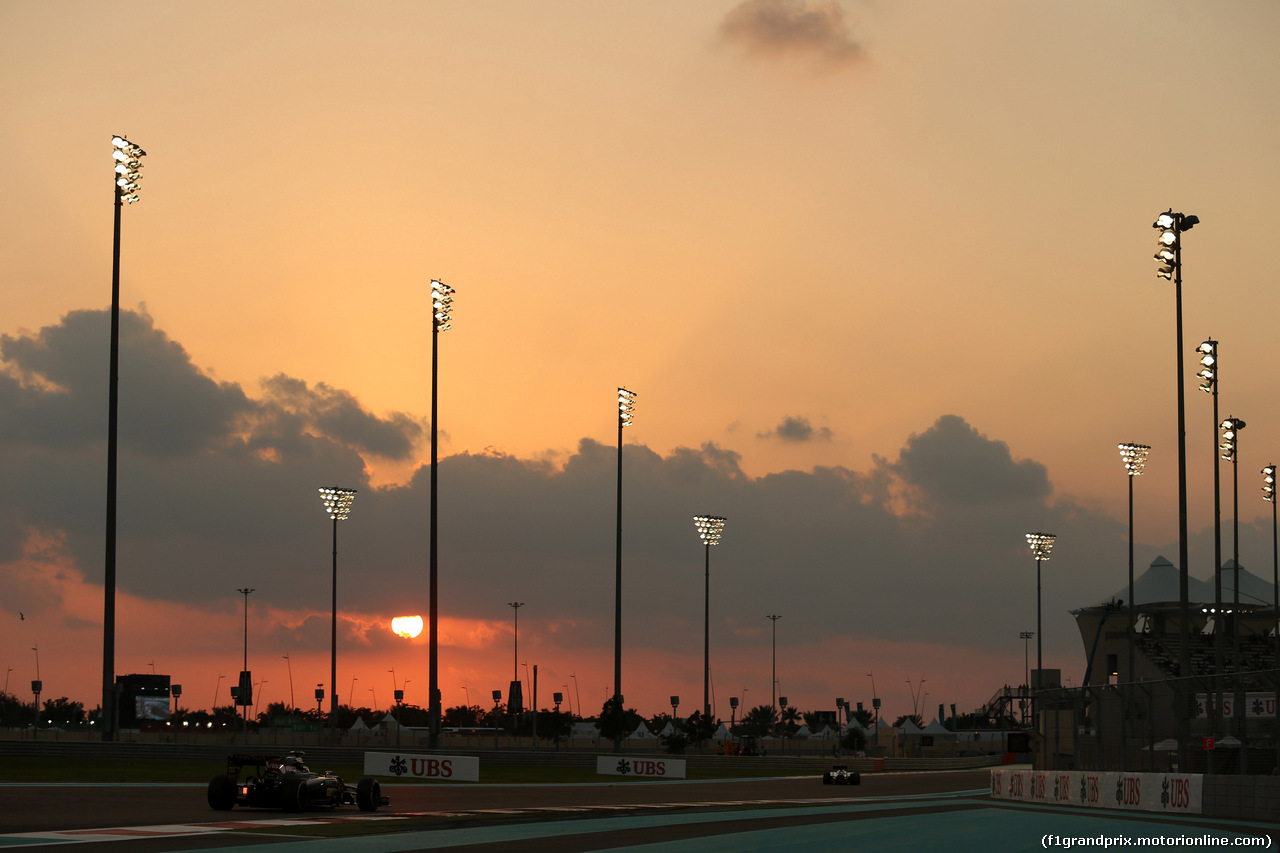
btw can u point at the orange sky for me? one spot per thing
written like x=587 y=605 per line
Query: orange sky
x=893 y=215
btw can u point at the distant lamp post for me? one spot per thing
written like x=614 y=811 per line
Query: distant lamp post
x=288 y=663
x=1041 y=545
x=244 y=670
x=710 y=528
x=773 y=696
x=337 y=503
x=1171 y=226
x=127 y=159
x=1026 y=636
x=626 y=412
x=441 y=321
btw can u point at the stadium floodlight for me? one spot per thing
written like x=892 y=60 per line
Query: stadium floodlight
x=1041 y=545
x=337 y=505
x=1230 y=437
x=1208 y=366
x=1134 y=457
x=626 y=413
x=710 y=528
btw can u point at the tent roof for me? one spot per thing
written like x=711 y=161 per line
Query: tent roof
x=909 y=727
x=937 y=728
x=1159 y=585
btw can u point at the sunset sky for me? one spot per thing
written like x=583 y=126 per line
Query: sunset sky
x=880 y=274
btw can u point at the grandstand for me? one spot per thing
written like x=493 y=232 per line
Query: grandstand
x=1124 y=715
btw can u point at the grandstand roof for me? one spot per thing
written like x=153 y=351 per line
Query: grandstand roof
x=1159 y=585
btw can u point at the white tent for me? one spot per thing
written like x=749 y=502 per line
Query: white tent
x=722 y=733
x=668 y=730
x=938 y=729
x=909 y=727
x=642 y=731
x=359 y=726
x=803 y=731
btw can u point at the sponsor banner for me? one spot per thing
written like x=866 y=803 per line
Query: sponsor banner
x=1171 y=793
x=645 y=768
x=1255 y=705
x=444 y=768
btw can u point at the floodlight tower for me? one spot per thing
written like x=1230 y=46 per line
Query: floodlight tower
x=1231 y=427
x=1041 y=544
x=626 y=412
x=127 y=163
x=441 y=321
x=337 y=504
x=1208 y=373
x=710 y=528
x=1171 y=226
x=1134 y=457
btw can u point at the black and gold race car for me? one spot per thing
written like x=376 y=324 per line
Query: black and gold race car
x=286 y=783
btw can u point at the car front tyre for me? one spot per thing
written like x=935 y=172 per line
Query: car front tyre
x=368 y=795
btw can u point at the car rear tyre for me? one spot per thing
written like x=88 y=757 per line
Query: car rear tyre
x=368 y=795
x=826 y=778
x=294 y=796
x=222 y=793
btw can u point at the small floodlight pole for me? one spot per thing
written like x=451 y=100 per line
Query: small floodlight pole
x=1269 y=495
x=773 y=618
x=441 y=321
x=1026 y=636
x=337 y=503
x=1169 y=253
x=626 y=412
x=710 y=528
x=127 y=159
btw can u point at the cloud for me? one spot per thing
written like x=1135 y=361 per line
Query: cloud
x=797 y=430
x=909 y=551
x=953 y=463
x=792 y=27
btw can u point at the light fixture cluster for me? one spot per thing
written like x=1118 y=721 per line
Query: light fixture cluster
x=709 y=528
x=128 y=159
x=1230 y=433
x=337 y=502
x=1208 y=365
x=1134 y=457
x=441 y=305
x=626 y=407
x=1041 y=544
x=1269 y=484
x=1170 y=225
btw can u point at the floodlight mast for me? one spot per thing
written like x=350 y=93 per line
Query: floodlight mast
x=337 y=505
x=127 y=158
x=441 y=321
x=1134 y=457
x=626 y=414
x=710 y=528
x=1171 y=226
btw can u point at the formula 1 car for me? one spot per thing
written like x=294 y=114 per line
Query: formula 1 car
x=286 y=783
x=841 y=775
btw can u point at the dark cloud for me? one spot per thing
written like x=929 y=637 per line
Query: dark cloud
x=804 y=27
x=952 y=462
x=913 y=550
x=797 y=430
